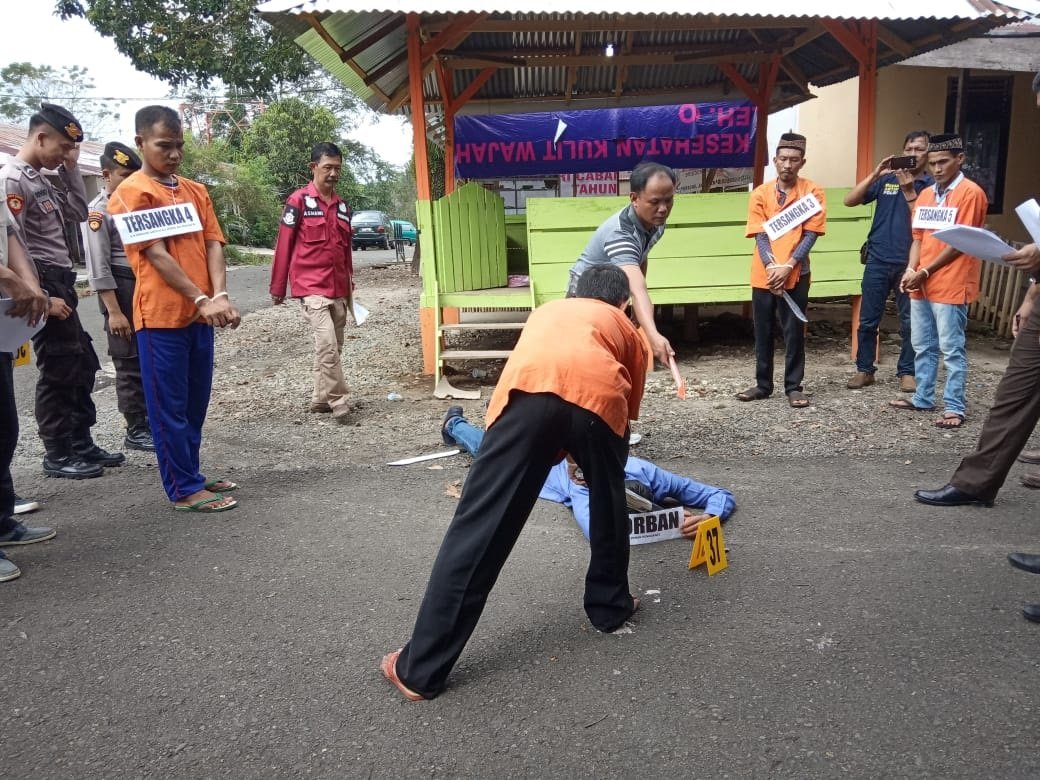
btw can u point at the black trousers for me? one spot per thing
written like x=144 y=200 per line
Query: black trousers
x=1011 y=420
x=8 y=440
x=129 y=391
x=65 y=357
x=514 y=461
x=766 y=307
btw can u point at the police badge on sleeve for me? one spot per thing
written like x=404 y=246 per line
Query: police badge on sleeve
x=290 y=216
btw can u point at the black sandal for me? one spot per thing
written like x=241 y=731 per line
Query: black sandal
x=755 y=393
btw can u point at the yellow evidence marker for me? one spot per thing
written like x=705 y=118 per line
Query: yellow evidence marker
x=21 y=357
x=709 y=547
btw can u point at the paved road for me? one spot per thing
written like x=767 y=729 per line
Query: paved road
x=855 y=633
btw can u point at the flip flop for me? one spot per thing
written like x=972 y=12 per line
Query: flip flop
x=796 y=399
x=202 y=506
x=752 y=394
x=221 y=485
x=950 y=420
x=388 y=666
x=906 y=406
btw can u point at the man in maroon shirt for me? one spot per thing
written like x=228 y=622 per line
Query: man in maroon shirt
x=313 y=255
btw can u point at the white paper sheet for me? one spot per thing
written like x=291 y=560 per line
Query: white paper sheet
x=977 y=242
x=14 y=331
x=1029 y=213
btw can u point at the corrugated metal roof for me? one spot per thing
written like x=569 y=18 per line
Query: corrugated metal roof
x=863 y=9
x=545 y=58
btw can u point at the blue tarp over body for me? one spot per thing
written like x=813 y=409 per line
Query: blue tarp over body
x=691 y=135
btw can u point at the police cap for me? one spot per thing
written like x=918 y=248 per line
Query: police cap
x=62 y=120
x=122 y=155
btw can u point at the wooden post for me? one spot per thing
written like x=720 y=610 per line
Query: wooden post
x=427 y=318
x=766 y=81
x=867 y=99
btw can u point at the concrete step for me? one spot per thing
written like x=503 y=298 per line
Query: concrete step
x=474 y=354
x=471 y=326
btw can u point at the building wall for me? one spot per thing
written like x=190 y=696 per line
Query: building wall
x=913 y=98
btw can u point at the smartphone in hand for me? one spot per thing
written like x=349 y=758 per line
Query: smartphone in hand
x=909 y=162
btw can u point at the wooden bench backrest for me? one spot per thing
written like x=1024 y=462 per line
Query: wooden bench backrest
x=704 y=256
x=469 y=240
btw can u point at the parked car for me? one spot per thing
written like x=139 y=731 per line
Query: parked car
x=405 y=229
x=372 y=228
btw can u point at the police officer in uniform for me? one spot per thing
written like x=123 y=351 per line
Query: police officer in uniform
x=64 y=355
x=113 y=280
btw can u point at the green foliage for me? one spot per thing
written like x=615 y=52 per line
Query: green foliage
x=194 y=42
x=282 y=138
x=23 y=86
x=243 y=197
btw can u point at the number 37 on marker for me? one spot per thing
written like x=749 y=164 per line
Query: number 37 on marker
x=709 y=547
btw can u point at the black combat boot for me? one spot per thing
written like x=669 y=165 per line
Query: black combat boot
x=58 y=461
x=138 y=435
x=87 y=451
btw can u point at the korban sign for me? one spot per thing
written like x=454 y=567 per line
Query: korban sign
x=690 y=135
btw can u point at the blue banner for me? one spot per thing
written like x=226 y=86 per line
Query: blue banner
x=691 y=135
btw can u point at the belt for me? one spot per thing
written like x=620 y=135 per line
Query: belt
x=53 y=273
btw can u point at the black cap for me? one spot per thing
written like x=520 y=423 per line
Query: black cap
x=947 y=142
x=122 y=155
x=792 y=141
x=61 y=119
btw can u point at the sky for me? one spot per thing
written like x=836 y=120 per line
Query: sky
x=35 y=35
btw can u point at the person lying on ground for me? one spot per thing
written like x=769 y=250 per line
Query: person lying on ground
x=566 y=485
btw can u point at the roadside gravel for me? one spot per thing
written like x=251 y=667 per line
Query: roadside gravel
x=258 y=415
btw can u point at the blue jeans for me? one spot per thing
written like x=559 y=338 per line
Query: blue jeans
x=939 y=327
x=465 y=434
x=880 y=279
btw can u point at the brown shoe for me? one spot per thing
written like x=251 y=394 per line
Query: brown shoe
x=1031 y=478
x=319 y=407
x=907 y=384
x=1029 y=456
x=860 y=380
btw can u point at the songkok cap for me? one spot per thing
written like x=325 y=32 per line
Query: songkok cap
x=948 y=142
x=792 y=141
x=62 y=120
x=122 y=155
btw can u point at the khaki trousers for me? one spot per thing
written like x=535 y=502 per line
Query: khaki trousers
x=327 y=318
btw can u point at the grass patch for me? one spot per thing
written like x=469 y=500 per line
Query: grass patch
x=235 y=255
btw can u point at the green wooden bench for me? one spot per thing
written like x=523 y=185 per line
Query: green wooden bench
x=703 y=256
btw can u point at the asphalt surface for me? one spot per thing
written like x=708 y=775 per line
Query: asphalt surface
x=855 y=633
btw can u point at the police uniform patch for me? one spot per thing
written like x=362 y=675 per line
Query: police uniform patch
x=290 y=216
x=95 y=220
x=47 y=205
x=15 y=203
x=310 y=202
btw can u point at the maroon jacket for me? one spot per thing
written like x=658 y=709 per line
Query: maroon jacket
x=313 y=248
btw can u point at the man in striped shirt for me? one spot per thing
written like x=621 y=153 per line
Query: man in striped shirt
x=626 y=239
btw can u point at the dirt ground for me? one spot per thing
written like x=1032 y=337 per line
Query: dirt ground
x=258 y=414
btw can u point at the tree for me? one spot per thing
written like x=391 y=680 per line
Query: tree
x=23 y=86
x=282 y=138
x=193 y=42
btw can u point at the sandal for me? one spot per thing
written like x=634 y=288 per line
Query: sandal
x=388 y=666
x=221 y=485
x=215 y=503
x=755 y=393
x=797 y=399
x=950 y=420
x=905 y=405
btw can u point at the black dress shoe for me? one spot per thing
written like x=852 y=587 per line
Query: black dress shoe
x=139 y=439
x=950 y=496
x=1025 y=562
x=92 y=453
x=1031 y=612
x=449 y=415
x=70 y=467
